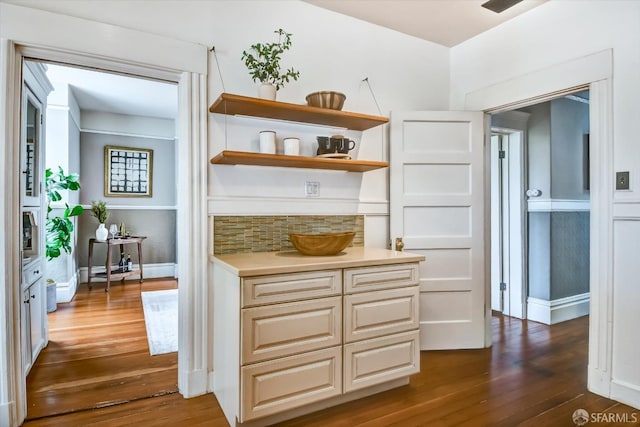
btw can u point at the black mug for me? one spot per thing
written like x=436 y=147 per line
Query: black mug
x=327 y=145
x=344 y=145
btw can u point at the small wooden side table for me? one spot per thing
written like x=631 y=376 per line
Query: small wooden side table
x=115 y=274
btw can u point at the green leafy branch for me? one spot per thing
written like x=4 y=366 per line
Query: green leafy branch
x=265 y=65
x=59 y=228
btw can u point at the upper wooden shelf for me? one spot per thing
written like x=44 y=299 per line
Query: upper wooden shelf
x=255 y=107
x=259 y=159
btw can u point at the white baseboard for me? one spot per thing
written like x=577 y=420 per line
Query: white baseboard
x=6 y=409
x=197 y=382
x=626 y=393
x=65 y=291
x=599 y=381
x=559 y=310
x=150 y=271
x=212 y=381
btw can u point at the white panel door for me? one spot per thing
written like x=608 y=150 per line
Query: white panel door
x=437 y=208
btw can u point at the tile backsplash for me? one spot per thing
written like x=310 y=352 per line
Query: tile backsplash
x=235 y=234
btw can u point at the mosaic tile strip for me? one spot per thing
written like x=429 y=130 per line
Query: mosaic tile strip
x=237 y=234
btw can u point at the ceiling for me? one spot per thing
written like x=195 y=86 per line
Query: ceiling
x=446 y=22
x=115 y=93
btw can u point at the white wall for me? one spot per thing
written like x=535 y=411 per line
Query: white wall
x=405 y=73
x=554 y=33
x=62 y=150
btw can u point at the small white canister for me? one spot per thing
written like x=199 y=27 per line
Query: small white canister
x=268 y=142
x=292 y=146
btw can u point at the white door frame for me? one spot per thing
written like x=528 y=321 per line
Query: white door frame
x=511 y=125
x=594 y=71
x=121 y=50
x=507 y=224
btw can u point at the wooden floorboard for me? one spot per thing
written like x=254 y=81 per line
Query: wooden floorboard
x=98 y=354
x=533 y=375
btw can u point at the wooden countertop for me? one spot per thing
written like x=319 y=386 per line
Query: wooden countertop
x=260 y=263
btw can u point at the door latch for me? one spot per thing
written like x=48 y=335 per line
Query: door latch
x=399 y=244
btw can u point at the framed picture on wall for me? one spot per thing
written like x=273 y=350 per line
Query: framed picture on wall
x=128 y=172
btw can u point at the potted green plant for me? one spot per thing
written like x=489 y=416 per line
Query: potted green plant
x=59 y=228
x=264 y=65
x=101 y=213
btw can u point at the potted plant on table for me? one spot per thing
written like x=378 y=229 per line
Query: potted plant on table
x=264 y=65
x=100 y=212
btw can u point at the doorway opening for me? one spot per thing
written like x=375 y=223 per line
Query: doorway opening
x=541 y=210
x=87 y=111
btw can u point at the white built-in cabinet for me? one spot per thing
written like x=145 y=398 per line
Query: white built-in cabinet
x=35 y=90
x=312 y=336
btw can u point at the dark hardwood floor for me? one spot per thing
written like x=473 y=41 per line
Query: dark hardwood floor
x=534 y=375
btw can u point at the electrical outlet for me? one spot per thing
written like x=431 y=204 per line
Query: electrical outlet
x=622 y=180
x=312 y=189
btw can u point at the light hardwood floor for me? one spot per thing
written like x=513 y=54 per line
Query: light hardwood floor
x=534 y=375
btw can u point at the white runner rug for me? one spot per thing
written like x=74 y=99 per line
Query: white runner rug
x=161 y=318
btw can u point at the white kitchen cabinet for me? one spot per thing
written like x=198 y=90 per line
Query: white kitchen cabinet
x=33 y=316
x=34 y=327
x=311 y=332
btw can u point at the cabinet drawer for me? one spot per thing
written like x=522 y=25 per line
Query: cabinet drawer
x=282 y=384
x=290 y=287
x=374 y=314
x=284 y=329
x=381 y=277
x=32 y=273
x=379 y=360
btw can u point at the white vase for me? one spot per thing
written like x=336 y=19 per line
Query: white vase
x=102 y=233
x=267 y=91
x=292 y=146
x=268 y=142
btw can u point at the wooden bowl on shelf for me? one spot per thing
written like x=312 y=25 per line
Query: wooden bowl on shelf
x=321 y=244
x=326 y=99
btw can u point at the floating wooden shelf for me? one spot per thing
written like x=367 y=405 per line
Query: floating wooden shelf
x=258 y=159
x=255 y=107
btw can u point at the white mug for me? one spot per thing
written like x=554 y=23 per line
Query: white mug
x=268 y=142
x=292 y=146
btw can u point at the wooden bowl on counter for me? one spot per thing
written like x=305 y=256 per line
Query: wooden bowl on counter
x=321 y=244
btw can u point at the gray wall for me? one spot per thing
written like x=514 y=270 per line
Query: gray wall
x=159 y=225
x=92 y=169
x=558 y=250
x=569 y=124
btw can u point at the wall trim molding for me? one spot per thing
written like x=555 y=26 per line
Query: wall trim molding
x=6 y=409
x=558 y=310
x=133 y=135
x=626 y=210
x=625 y=392
x=65 y=291
x=60 y=205
x=558 y=205
x=294 y=206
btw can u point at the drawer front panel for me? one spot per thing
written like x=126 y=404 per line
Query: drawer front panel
x=381 y=277
x=33 y=273
x=282 y=384
x=379 y=360
x=286 y=329
x=290 y=287
x=374 y=314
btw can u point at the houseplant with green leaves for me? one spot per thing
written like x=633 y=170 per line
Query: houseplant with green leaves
x=59 y=228
x=263 y=62
x=101 y=213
